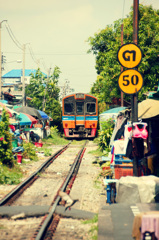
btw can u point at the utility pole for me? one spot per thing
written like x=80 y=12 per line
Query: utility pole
x=135 y=40
x=122 y=100
x=23 y=78
x=134 y=103
x=1 y=61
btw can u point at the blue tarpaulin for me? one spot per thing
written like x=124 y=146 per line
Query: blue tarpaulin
x=43 y=115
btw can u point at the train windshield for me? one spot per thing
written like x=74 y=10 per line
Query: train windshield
x=68 y=107
x=79 y=108
x=90 y=108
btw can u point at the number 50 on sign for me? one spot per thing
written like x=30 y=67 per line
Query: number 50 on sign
x=130 y=81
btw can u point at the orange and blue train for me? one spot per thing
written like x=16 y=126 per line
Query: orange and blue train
x=80 y=115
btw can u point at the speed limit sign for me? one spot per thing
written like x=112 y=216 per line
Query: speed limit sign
x=130 y=81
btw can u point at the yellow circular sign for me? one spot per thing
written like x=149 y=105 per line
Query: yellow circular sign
x=129 y=55
x=130 y=81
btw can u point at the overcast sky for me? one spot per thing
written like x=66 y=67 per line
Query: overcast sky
x=56 y=31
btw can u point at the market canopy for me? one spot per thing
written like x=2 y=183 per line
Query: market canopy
x=148 y=108
x=111 y=113
x=16 y=106
x=28 y=110
x=43 y=115
x=26 y=119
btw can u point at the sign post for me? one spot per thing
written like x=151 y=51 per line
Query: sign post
x=131 y=81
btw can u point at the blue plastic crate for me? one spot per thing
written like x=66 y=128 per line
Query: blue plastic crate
x=119 y=159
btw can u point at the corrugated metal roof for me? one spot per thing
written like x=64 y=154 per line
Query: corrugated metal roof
x=9 y=84
x=17 y=73
x=113 y=110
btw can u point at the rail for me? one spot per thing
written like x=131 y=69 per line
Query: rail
x=49 y=219
x=31 y=178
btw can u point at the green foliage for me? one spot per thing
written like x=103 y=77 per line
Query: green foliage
x=47 y=152
x=44 y=92
x=106 y=164
x=56 y=138
x=105 y=46
x=54 y=132
x=10 y=176
x=104 y=135
x=6 y=156
x=96 y=152
x=36 y=89
x=93 y=220
x=53 y=108
x=93 y=232
x=29 y=151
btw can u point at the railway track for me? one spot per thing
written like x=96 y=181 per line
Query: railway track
x=30 y=193
x=13 y=195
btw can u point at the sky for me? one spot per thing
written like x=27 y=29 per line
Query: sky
x=55 y=33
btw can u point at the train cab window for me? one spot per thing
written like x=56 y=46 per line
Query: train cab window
x=79 y=108
x=68 y=107
x=91 y=108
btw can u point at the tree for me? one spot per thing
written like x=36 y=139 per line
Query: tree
x=6 y=156
x=35 y=90
x=106 y=44
x=44 y=92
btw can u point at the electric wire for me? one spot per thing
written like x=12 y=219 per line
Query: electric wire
x=32 y=54
x=10 y=32
x=37 y=61
x=44 y=65
x=18 y=44
x=57 y=54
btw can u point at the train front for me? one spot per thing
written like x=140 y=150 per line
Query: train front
x=80 y=115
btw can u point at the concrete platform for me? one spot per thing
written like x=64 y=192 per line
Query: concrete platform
x=115 y=221
x=36 y=211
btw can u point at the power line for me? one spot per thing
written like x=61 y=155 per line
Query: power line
x=10 y=32
x=20 y=46
x=44 y=65
x=37 y=61
x=62 y=54
x=32 y=54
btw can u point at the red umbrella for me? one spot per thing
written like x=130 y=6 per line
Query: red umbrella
x=26 y=119
x=33 y=120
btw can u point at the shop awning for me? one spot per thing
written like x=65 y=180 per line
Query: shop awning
x=148 y=108
x=31 y=111
x=111 y=113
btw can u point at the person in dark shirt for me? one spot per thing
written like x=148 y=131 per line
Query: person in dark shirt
x=34 y=137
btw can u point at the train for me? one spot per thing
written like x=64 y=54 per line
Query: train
x=80 y=116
